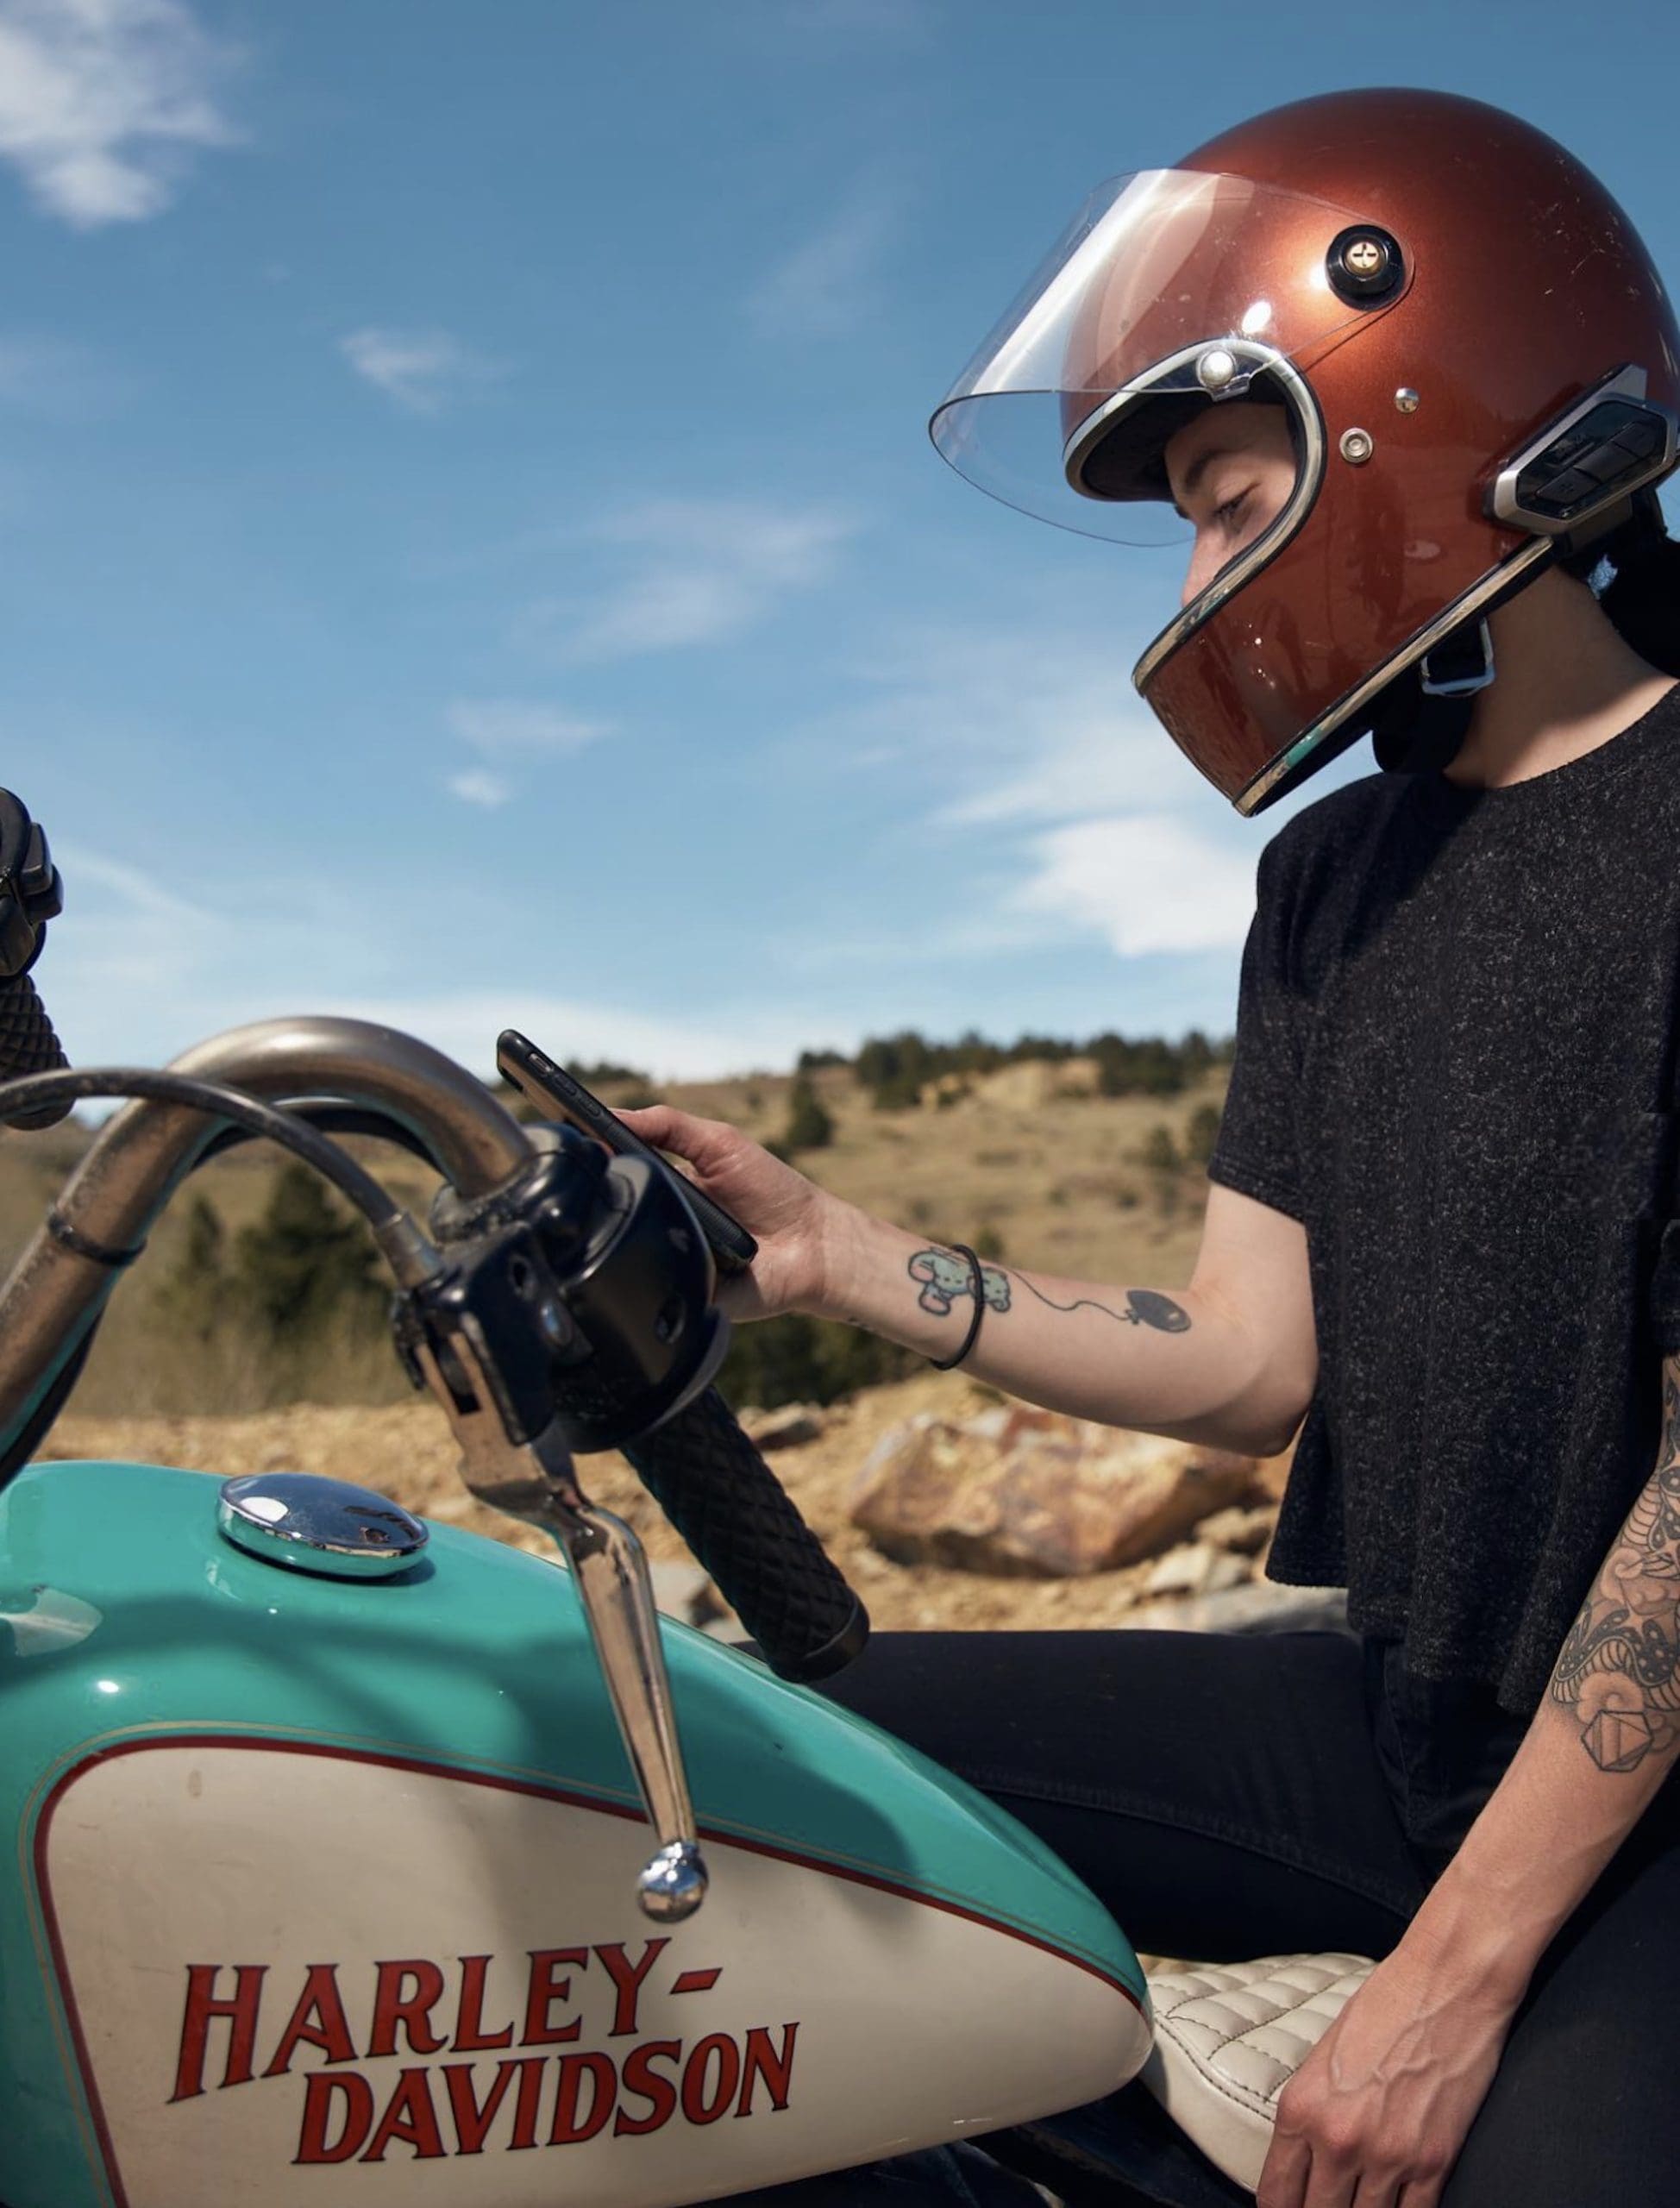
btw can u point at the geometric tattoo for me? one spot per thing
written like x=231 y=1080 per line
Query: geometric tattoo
x=945 y=1279
x=1619 y=1671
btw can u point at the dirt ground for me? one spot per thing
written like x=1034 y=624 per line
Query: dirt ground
x=404 y=1450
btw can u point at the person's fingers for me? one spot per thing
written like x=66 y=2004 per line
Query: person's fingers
x=700 y=1141
x=1328 y=2189
x=1421 y=2192
x=1288 y=2166
x=1378 y=2192
x=655 y=1123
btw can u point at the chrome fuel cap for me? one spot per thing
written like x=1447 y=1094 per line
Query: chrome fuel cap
x=311 y=1524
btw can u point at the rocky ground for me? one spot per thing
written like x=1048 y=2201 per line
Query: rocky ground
x=1207 y=1571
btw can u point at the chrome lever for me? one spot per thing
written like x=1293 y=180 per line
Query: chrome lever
x=534 y=1481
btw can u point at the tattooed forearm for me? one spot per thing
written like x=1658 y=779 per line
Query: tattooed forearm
x=1619 y=1671
x=1144 y=1306
x=946 y=1280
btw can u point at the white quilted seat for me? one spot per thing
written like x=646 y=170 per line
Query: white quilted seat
x=1229 y=2037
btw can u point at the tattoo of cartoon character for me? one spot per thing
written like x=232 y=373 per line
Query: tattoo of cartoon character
x=1619 y=1669
x=945 y=1279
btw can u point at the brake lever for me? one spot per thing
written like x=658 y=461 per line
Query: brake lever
x=533 y=1479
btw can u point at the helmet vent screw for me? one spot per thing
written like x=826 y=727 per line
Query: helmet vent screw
x=1357 y=447
x=1216 y=371
x=1365 y=266
x=1407 y=400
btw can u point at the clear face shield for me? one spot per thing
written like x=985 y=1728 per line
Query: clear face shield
x=1173 y=291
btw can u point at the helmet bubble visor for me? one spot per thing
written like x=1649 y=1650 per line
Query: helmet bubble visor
x=1173 y=290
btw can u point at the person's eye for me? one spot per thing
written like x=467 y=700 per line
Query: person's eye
x=1229 y=516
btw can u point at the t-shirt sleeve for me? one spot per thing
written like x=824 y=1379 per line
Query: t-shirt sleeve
x=1256 y=1152
x=1665 y=1298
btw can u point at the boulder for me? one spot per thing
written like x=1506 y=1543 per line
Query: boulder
x=1245 y=1533
x=1195 y=1568
x=788 y=1427
x=1262 y=1606
x=1022 y=1491
x=683 y=1590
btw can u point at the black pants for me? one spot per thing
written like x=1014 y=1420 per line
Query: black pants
x=1233 y=1796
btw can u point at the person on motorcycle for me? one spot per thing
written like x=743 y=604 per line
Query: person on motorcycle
x=1408 y=373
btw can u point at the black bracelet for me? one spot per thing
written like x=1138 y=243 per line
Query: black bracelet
x=944 y=1365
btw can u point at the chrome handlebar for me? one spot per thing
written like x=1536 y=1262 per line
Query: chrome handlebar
x=60 y=1284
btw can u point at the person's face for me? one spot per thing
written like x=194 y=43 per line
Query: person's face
x=1231 y=469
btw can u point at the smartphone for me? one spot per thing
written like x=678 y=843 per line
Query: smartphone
x=552 y=1090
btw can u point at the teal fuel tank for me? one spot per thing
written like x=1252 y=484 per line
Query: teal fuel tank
x=319 y=1878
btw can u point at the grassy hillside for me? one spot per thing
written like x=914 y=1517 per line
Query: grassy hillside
x=1029 y=1162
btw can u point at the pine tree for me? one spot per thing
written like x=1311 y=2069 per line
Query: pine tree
x=1201 y=1132
x=809 y=1124
x=194 y=1294
x=305 y=1266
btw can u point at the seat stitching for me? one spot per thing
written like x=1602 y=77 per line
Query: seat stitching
x=1218 y=2085
x=1167 y=2022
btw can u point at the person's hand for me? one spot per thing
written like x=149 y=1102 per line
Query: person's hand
x=793 y=1220
x=1376 y=2114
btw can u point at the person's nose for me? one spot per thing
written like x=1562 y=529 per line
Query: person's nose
x=1204 y=563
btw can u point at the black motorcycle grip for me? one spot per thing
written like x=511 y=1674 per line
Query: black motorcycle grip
x=746 y=1531
x=27 y=1044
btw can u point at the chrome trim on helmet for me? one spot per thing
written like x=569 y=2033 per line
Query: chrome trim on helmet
x=1534 y=553
x=1308 y=476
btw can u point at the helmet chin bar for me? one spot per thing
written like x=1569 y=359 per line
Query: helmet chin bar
x=1393 y=692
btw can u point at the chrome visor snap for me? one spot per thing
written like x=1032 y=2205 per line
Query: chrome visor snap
x=1364 y=266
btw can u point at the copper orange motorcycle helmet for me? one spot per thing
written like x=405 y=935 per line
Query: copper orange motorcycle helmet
x=1480 y=371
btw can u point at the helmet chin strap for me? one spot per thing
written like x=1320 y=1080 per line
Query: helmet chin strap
x=1424 y=715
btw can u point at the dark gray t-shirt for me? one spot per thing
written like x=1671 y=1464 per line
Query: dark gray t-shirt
x=1455 y=1065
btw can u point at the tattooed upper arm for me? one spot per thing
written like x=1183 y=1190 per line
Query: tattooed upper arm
x=1619 y=1671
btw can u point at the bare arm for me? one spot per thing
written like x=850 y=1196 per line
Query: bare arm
x=1231 y=1359
x=1600 y=1746
x=1391 y=2090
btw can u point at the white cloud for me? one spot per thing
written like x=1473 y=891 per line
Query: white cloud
x=1035 y=775
x=477 y=786
x=503 y=728
x=829 y=285
x=421 y=370
x=698 y=571
x=102 y=101
x=1014 y=723
x=1145 y=882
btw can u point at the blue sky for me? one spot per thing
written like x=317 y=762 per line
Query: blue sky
x=471 y=549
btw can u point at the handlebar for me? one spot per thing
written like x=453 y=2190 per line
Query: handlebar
x=745 y=1530
x=31 y=894
x=29 y=1044
x=58 y=1287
